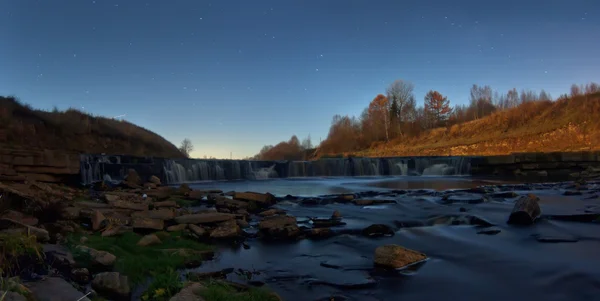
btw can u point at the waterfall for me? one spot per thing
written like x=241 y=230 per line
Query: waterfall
x=94 y=168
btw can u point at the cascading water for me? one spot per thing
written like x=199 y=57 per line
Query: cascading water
x=94 y=168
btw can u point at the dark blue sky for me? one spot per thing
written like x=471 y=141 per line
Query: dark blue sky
x=235 y=75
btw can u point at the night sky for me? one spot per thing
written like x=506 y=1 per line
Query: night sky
x=235 y=75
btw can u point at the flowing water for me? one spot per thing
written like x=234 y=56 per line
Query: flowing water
x=550 y=260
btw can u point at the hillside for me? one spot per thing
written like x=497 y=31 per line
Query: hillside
x=569 y=124
x=22 y=127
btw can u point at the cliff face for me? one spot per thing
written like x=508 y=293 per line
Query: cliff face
x=22 y=127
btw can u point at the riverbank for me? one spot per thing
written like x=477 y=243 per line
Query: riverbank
x=151 y=242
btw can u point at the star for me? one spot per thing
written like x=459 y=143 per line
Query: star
x=74 y=54
x=200 y=18
x=195 y=90
x=93 y=2
x=184 y=88
x=546 y=71
x=317 y=69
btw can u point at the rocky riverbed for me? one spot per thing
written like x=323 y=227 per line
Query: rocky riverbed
x=413 y=244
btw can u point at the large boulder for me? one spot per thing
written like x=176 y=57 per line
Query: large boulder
x=132 y=179
x=204 y=218
x=279 y=227
x=112 y=284
x=394 y=256
x=98 y=220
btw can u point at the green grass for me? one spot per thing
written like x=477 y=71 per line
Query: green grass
x=219 y=291
x=137 y=262
x=185 y=202
x=163 y=286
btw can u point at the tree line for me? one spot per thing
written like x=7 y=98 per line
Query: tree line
x=395 y=115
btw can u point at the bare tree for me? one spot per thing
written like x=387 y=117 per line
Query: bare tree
x=400 y=93
x=307 y=143
x=186 y=147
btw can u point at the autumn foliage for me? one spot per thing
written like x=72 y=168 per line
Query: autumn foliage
x=394 y=121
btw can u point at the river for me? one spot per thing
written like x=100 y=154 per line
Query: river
x=550 y=260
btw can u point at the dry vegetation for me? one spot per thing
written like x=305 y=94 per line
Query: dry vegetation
x=491 y=124
x=21 y=126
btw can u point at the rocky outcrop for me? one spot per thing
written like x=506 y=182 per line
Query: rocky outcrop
x=204 y=218
x=38 y=165
x=279 y=227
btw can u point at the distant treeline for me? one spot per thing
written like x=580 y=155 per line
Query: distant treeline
x=396 y=117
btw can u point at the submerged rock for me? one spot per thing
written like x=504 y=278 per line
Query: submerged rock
x=378 y=230
x=394 y=256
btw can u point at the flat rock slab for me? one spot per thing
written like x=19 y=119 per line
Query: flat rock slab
x=394 y=256
x=54 y=289
x=204 y=218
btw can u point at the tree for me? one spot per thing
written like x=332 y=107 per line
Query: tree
x=307 y=143
x=378 y=114
x=481 y=101
x=186 y=147
x=512 y=98
x=401 y=94
x=437 y=106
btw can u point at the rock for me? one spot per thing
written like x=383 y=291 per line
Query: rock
x=148 y=240
x=184 y=189
x=132 y=178
x=326 y=223
x=164 y=214
x=204 y=218
x=176 y=228
x=336 y=215
x=98 y=220
x=269 y=212
x=222 y=274
x=368 y=202
x=262 y=199
x=160 y=193
x=129 y=205
x=54 y=289
x=394 y=256
x=526 y=210
x=148 y=223
x=59 y=256
x=228 y=229
x=81 y=276
x=111 y=197
x=154 y=180
x=378 y=230
x=165 y=204
x=320 y=233
x=197 y=230
x=242 y=223
x=228 y=203
x=345 y=197
x=569 y=192
x=12 y=296
x=20 y=217
x=40 y=234
x=197 y=195
x=70 y=213
x=116 y=230
x=112 y=284
x=191 y=292
x=102 y=258
x=489 y=231
x=279 y=227
x=150 y=185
